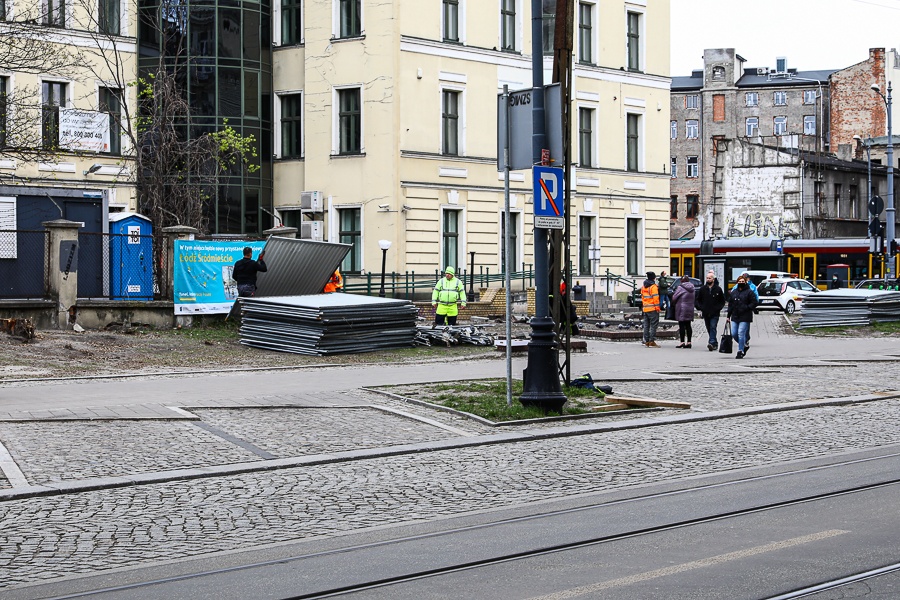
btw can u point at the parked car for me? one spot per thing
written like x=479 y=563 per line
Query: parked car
x=783 y=293
x=878 y=284
x=674 y=286
x=758 y=276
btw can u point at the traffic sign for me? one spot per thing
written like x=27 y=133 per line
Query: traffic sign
x=548 y=192
x=876 y=205
x=876 y=227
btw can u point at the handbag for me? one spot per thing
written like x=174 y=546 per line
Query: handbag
x=726 y=345
x=670 y=311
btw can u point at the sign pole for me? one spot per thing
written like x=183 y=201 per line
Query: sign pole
x=507 y=254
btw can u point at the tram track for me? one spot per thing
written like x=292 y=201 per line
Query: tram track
x=342 y=583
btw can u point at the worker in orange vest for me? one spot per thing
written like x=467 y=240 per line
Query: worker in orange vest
x=650 y=302
x=335 y=283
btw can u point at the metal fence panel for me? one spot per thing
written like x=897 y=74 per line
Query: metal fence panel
x=23 y=270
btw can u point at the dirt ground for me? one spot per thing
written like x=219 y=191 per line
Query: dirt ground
x=217 y=347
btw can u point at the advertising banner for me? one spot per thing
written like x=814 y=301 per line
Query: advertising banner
x=85 y=130
x=202 y=273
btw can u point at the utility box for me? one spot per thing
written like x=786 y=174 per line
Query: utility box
x=130 y=256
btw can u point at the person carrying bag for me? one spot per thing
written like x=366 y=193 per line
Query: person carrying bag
x=726 y=345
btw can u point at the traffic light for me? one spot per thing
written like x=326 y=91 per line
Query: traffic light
x=893 y=247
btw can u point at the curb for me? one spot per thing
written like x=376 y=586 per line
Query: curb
x=104 y=483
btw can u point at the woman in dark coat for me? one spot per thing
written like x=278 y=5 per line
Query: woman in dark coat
x=683 y=299
x=741 y=304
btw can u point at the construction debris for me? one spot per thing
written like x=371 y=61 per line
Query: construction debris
x=453 y=335
x=23 y=328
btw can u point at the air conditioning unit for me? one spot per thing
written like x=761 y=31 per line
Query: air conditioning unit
x=762 y=71
x=312 y=230
x=311 y=201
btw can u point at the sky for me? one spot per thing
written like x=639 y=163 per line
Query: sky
x=812 y=34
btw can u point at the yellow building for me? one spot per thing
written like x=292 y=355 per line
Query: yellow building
x=386 y=129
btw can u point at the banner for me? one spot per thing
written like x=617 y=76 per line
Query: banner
x=202 y=273
x=85 y=130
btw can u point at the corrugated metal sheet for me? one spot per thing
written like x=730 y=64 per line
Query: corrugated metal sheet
x=298 y=267
x=850 y=307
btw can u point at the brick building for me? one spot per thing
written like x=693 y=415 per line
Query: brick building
x=726 y=100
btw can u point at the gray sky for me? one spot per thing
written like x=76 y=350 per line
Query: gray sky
x=812 y=34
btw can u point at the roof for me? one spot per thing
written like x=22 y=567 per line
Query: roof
x=794 y=78
x=692 y=82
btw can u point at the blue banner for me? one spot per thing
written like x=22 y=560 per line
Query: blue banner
x=202 y=274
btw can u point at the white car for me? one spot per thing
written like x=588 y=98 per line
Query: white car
x=784 y=293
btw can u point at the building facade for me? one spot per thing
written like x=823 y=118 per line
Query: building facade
x=779 y=107
x=386 y=129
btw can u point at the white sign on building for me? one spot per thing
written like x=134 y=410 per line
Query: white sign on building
x=85 y=130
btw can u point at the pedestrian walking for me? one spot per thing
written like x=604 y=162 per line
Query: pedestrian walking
x=663 y=284
x=447 y=296
x=741 y=304
x=752 y=287
x=245 y=270
x=650 y=304
x=683 y=299
x=710 y=302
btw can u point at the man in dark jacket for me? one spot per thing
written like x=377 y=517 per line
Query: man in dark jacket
x=245 y=270
x=710 y=302
x=741 y=304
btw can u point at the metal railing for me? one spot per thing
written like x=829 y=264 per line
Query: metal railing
x=409 y=284
x=24 y=269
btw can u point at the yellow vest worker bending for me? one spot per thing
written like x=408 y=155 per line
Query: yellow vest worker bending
x=448 y=294
x=335 y=283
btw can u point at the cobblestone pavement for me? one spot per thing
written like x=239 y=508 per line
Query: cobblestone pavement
x=46 y=538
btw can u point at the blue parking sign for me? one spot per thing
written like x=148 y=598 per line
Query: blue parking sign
x=548 y=192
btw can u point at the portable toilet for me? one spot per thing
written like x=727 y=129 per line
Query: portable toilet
x=130 y=256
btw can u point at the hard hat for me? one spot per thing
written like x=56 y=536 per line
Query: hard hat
x=450 y=270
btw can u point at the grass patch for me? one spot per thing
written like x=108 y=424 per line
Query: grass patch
x=486 y=398
x=208 y=329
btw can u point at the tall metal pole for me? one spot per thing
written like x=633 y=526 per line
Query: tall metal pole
x=892 y=265
x=541 y=383
x=507 y=262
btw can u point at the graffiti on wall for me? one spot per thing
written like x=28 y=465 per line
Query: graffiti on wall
x=759 y=225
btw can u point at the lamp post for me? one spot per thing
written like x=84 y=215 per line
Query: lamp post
x=889 y=211
x=384 y=245
x=471 y=295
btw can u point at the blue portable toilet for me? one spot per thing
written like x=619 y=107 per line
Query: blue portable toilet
x=130 y=256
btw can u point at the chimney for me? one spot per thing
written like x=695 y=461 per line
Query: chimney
x=845 y=152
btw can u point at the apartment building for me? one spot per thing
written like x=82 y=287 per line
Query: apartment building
x=385 y=128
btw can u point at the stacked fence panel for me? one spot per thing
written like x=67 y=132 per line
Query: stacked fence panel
x=838 y=308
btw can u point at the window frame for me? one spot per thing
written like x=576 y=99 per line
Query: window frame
x=634 y=38
x=103 y=14
x=806 y=96
x=807 y=119
x=508 y=25
x=50 y=131
x=673 y=207
x=692 y=206
x=755 y=99
x=779 y=120
x=586 y=137
x=351 y=236
x=352 y=117
x=692 y=101
x=514 y=240
x=450 y=8
x=291 y=122
x=692 y=168
x=751 y=129
x=673 y=167
x=633 y=244
x=633 y=140
x=353 y=19
x=447 y=236
x=673 y=130
x=104 y=94
x=54 y=13
x=779 y=95
x=291 y=20
x=586 y=44
x=457 y=93
x=585 y=241
x=692 y=126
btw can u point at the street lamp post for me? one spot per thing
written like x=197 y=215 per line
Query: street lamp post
x=471 y=295
x=889 y=211
x=384 y=245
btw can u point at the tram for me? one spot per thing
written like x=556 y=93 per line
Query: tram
x=807 y=259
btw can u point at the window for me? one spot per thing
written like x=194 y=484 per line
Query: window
x=450 y=238
x=291 y=126
x=350 y=121
x=673 y=130
x=838 y=192
x=108 y=17
x=809 y=96
x=633 y=246
x=513 y=241
x=450 y=122
x=779 y=98
x=692 y=129
x=693 y=167
x=673 y=209
x=4 y=90
x=752 y=98
x=291 y=22
x=692 y=101
x=451 y=21
x=809 y=125
x=585 y=137
x=674 y=167
x=2 y=10
x=719 y=108
x=53 y=96
x=692 y=206
x=508 y=25
x=54 y=13
x=350 y=225
x=351 y=23
x=548 y=23
x=752 y=127
x=251 y=93
x=585 y=241
x=780 y=127
x=111 y=104
x=634 y=41
x=633 y=142
x=854 y=201
x=585 y=33
x=718 y=73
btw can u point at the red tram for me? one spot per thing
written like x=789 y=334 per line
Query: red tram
x=807 y=259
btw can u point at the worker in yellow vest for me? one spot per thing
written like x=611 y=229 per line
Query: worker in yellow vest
x=335 y=283
x=448 y=294
x=650 y=303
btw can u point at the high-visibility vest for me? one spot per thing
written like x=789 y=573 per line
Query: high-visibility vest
x=650 y=298
x=335 y=283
